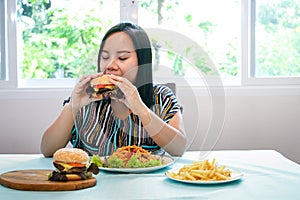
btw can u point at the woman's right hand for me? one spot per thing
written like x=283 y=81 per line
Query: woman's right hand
x=79 y=96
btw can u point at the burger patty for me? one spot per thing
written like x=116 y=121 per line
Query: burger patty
x=102 y=90
x=90 y=90
x=75 y=170
x=63 y=176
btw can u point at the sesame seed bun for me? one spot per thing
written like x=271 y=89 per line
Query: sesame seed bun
x=104 y=79
x=69 y=155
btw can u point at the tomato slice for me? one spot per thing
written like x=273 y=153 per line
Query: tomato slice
x=76 y=164
x=72 y=164
x=103 y=85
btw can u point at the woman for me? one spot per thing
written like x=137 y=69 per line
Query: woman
x=148 y=115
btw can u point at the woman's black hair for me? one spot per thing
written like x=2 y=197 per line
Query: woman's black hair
x=140 y=39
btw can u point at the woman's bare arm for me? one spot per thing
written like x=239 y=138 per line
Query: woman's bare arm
x=59 y=133
x=171 y=136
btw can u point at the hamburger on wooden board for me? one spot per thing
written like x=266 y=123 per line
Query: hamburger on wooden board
x=72 y=164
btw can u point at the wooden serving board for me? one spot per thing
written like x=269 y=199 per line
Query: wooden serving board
x=37 y=180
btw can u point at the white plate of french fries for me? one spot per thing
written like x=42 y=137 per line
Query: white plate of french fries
x=204 y=172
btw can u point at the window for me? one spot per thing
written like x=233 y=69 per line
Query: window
x=277 y=39
x=215 y=31
x=274 y=42
x=59 y=39
x=243 y=41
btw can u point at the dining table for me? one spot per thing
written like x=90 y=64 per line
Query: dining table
x=265 y=174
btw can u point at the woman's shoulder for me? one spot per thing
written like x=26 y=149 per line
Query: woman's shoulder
x=163 y=95
x=162 y=89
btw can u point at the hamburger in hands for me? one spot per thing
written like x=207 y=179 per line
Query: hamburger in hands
x=72 y=164
x=101 y=87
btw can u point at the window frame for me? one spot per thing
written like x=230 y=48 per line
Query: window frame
x=11 y=55
x=247 y=56
x=2 y=42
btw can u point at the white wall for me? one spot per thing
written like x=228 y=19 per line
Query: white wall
x=254 y=119
x=262 y=122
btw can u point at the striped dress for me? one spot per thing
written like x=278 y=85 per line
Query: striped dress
x=98 y=131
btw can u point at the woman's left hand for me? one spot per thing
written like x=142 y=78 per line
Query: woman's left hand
x=131 y=98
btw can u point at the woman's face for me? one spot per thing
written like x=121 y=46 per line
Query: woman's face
x=119 y=56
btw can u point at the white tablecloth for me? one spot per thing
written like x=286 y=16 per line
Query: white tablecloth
x=268 y=175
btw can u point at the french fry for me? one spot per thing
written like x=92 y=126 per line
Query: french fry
x=198 y=175
x=202 y=171
x=221 y=176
